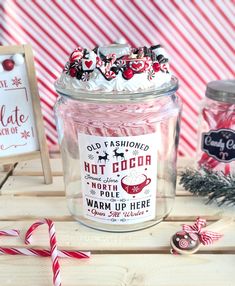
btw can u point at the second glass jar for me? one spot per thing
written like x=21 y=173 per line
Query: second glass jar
x=216 y=144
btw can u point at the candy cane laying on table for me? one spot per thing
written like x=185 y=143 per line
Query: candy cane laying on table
x=43 y=252
x=53 y=245
x=10 y=232
x=54 y=252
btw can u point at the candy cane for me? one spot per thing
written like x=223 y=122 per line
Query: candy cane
x=10 y=232
x=164 y=67
x=54 y=253
x=99 y=62
x=43 y=252
x=53 y=245
x=109 y=65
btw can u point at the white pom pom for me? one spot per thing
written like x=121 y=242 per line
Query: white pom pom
x=18 y=59
x=1 y=68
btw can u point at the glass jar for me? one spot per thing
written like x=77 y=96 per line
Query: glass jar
x=216 y=147
x=119 y=155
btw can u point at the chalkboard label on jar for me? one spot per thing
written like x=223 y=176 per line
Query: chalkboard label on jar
x=219 y=144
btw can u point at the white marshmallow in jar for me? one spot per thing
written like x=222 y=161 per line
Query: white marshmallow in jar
x=118 y=121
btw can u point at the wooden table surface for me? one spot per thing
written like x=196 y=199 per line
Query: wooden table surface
x=139 y=258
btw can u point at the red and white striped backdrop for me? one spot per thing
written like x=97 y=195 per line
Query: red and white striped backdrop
x=198 y=35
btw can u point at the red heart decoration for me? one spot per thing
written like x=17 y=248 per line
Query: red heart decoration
x=88 y=64
x=137 y=65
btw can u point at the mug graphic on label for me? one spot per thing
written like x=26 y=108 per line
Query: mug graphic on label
x=133 y=184
x=118 y=178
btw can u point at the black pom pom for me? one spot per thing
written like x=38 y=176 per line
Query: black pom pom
x=79 y=74
x=115 y=69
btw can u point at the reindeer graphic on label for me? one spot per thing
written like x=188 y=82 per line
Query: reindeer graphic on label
x=116 y=154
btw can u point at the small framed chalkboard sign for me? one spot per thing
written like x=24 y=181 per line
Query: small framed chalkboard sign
x=22 y=135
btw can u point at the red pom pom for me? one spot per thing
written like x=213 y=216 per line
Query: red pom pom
x=72 y=72
x=128 y=73
x=8 y=65
x=156 y=67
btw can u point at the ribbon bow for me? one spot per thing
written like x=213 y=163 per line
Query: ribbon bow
x=205 y=237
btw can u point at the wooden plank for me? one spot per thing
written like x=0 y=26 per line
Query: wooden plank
x=33 y=186
x=12 y=50
x=71 y=235
x=185 y=162
x=43 y=148
x=20 y=157
x=20 y=208
x=180 y=191
x=34 y=168
x=116 y=270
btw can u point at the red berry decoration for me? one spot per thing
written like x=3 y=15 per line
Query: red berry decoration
x=8 y=65
x=128 y=73
x=156 y=67
x=72 y=72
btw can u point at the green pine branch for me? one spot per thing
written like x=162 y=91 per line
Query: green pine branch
x=217 y=186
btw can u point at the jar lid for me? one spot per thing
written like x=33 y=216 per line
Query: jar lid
x=221 y=90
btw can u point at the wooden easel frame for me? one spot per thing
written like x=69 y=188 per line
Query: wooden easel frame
x=43 y=148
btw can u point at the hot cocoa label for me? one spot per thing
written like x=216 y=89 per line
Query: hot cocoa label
x=219 y=144
x=119 y=178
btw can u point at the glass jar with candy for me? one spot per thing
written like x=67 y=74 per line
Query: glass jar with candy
x=118 y=124
x=216 y=147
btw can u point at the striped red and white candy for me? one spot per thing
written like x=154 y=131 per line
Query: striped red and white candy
x=43 y=252
x=112 y=58
x=112 y=126
x=38 y=252
x=99 y=62
x=53 y=246
x=110 y=75
x=164 y=67
x=120 y=120
x=10 y=232
x=76 y=55
x=148 y=63
x=54 y=253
